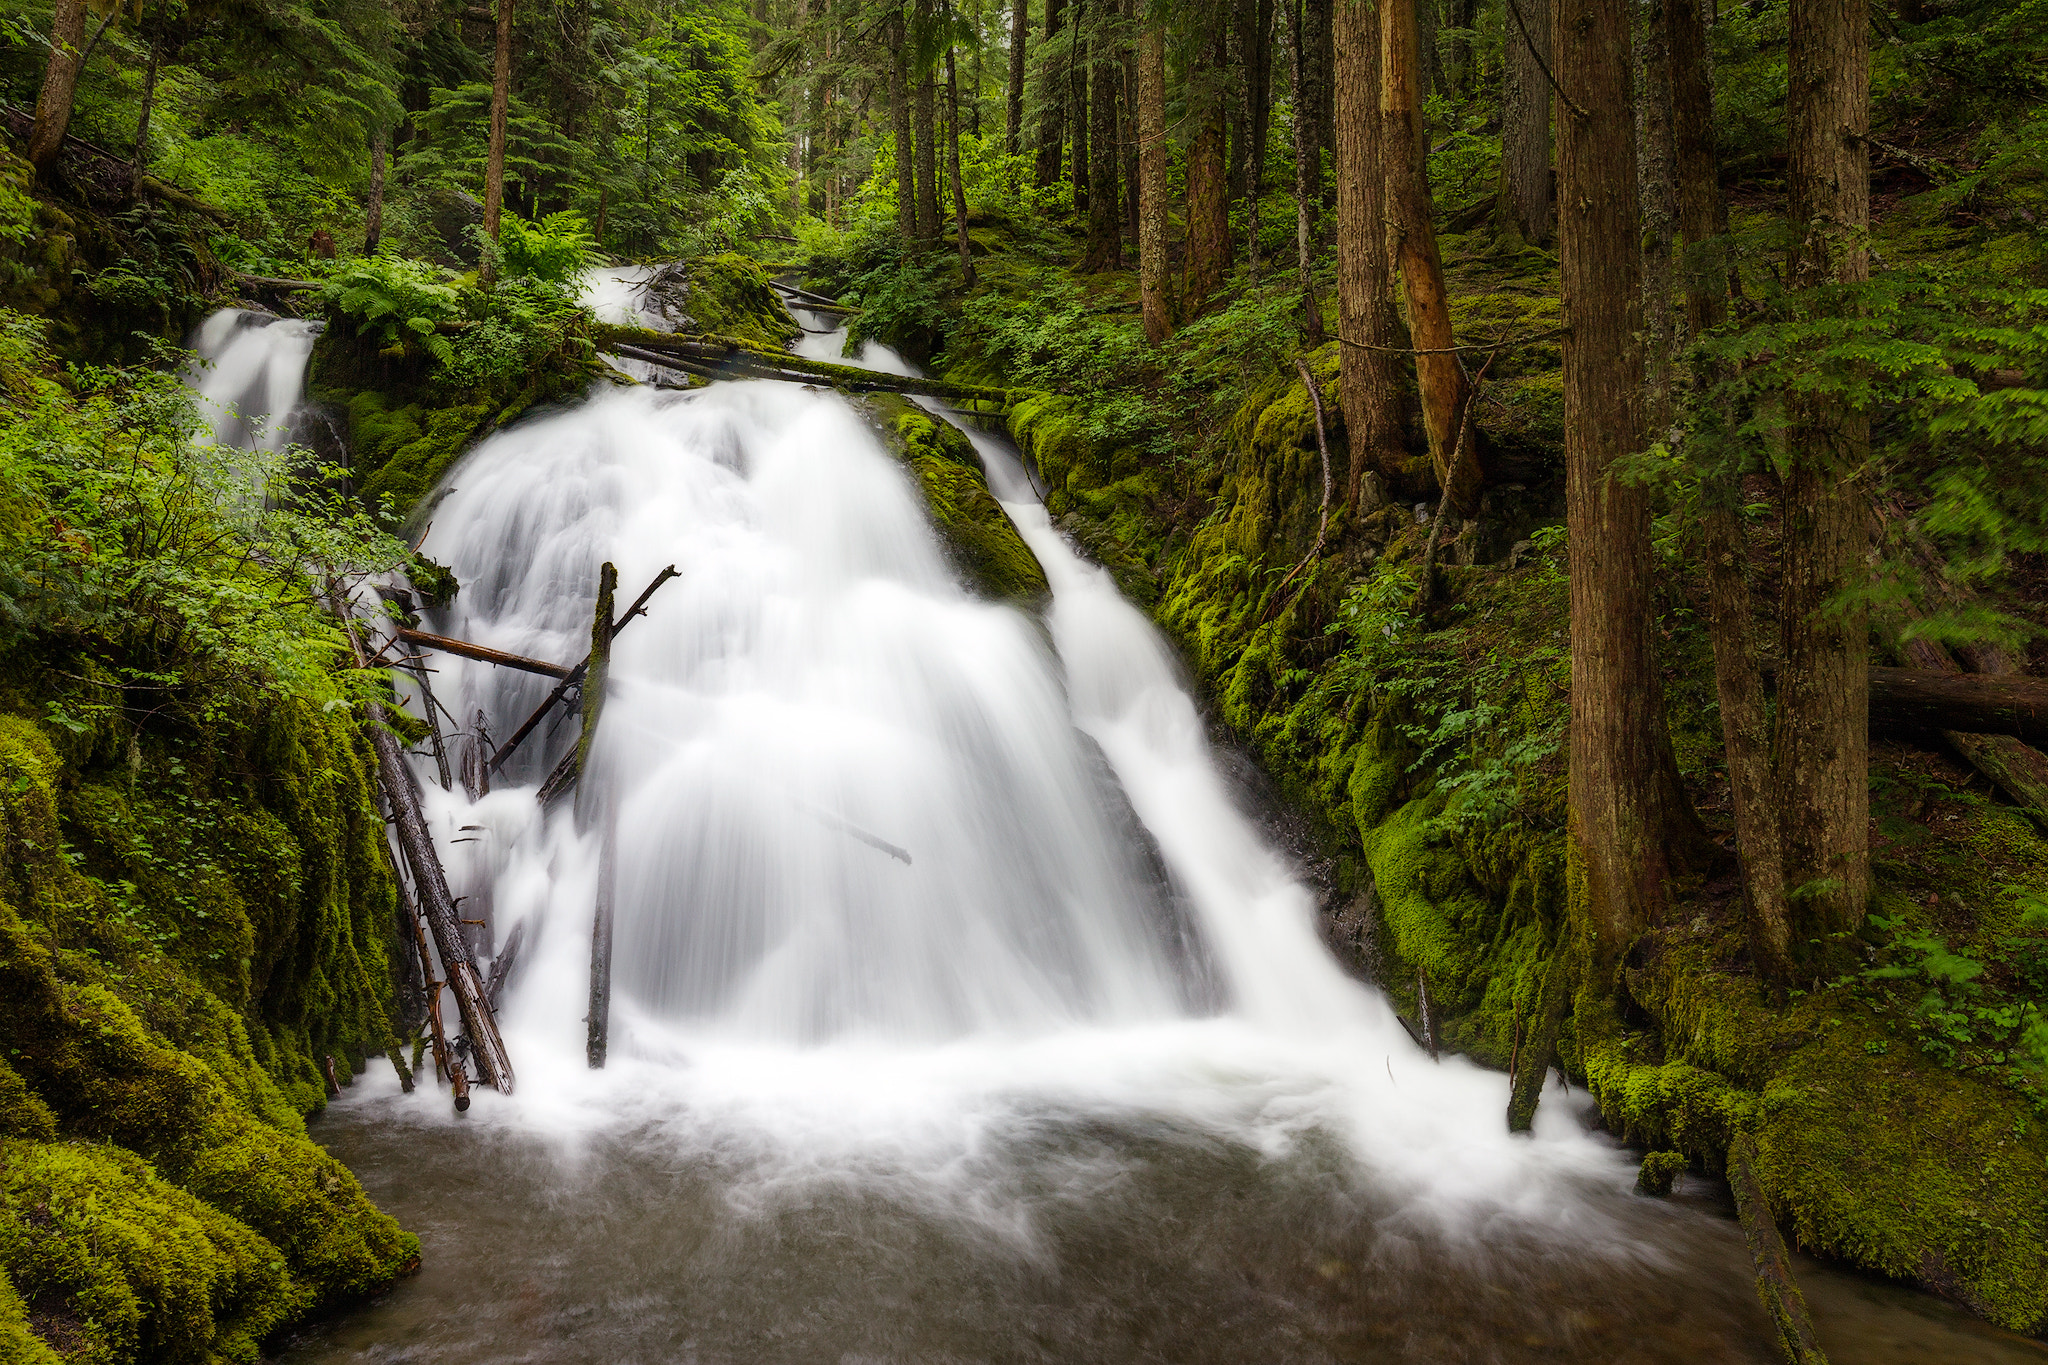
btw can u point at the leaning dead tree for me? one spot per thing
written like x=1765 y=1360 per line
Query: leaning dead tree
x=597 y=672
x=430 y=882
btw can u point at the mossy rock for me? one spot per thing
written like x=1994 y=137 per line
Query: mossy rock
x=979 y=537
x=729 y=295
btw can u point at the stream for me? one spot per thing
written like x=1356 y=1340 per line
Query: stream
x=961 y=1012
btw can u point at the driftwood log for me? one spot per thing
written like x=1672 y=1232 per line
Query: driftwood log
x=448 y=645
x=430 y=882
x=722 y=352
x=1774 y=1282
x=573 y=677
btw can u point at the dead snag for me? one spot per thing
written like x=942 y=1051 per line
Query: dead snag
x=599 y=671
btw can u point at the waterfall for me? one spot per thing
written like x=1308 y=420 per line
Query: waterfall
x=251 y=375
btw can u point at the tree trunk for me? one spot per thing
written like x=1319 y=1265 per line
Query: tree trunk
x=1464 y=14
x=1308 y=165
x=1438 y=373
x=501 y=98
x=60 y=83
x=1051 y=102
x=373 y=213
x=1127 y=124
x=1208 y=213
x=953 y=161
x=1738 y=683
x=1156 y=306
x=1105 y=215
x=1658 y=204
x=1020 y=29
x=1821 y=743
x=1260 y=95
x=1429 y=63
x=899 y=116
x=1369 y=385
x=1079 y=44
x=1318 y=30
x=142 y=122
x=1525 y=206
x=1627 y=822
x=925 y=113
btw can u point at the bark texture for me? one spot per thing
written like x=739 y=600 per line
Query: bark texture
x=1626 y=811
x=501 y=97
x=899 y=117
x=1525 y=205
x=1208 y=214
x=1078 y=44
x=924 y=115
x=1308 y=172
x=1105 y=214
x=1438 y=372
x=60 y=83
x=953 y=164
x=1821 y=740
x=1052 y=124
x=1020 y=30
x=373 y=212
x=1369 y=370
x=1153 y=301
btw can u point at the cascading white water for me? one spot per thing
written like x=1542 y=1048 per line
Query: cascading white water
x=251 y=376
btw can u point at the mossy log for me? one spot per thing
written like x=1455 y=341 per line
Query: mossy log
x=712 y=349
x=1923 y=699
x=1774 y=1282
x=278 y=283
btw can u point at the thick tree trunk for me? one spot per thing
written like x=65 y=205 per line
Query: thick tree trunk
x=1524 y=206
x=1628 y=824
x=1105 y=214
x=899 y=116
x=1080 y=41
x=1260 y=94
x=60 y=83
x=1738 y=682
x=953 y=161
x=1369 y=384
x=1438 y=372
x=501 y=98
x=1052 y=103
x=1308 y=168
x=924 y=111
x=1020 y=30
x=373 y=212
x=1821 y=741
x=1208 y=213
x=1153 y=301
x=1658 y=203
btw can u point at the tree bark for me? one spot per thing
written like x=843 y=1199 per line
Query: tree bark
x=483 y=653
x=1821 y=739
x=373 y=212
x=1153 y=301
x=1369 y=384
x=1525 y=205
x=1127 y=123
x=1308 y=169
x=1208 y=212
x=60 y=84
x=1931 y=698
x=1464 y=14
x=1259 y=93
x=1628 y=822
x=899 y=116
x=1105 y=214
x=591 y=800
x=1020 y=30
x=1738 y=683
x=1440 y=376
x=1051 y=101
x=953 y=161
x=501 y=98
x=1657 y=195
x=1080 y=40
x=925 y=113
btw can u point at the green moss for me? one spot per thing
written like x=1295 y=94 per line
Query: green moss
x=401 y=453
x=1658 y=1171
x=19 y=1342
x=978 y=534
x=729 y=295
x=130 y=1266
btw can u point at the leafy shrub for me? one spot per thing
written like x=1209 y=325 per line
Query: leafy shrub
x=397 y=300
x=557 y=249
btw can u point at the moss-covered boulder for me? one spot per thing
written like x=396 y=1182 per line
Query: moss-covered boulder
x=979 y=536
x=728 y=294
x=189 y=925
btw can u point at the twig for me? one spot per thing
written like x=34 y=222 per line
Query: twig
x=1315 y=396
x=1548 y=75
x=1423 y=590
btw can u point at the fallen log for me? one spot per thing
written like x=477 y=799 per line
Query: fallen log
x=710 y=348
x=449 y=645
x=575 y=676
x=807 y=297
x=1774 y=1282
x=416 y=842
x=598 y=1036
x=502 y=964
x=1974 y=703
x=1531 y=1065
x=446 y=1064
x=284 y=285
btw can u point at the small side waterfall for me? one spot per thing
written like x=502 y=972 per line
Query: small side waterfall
x=252 y=376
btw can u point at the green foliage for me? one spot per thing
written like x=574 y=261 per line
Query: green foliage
x=176 y=562
x=397 y=300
